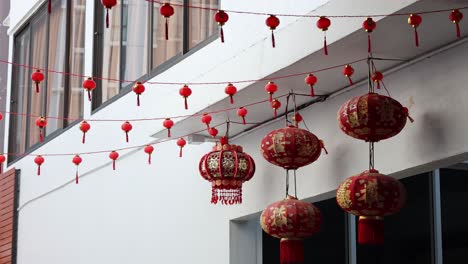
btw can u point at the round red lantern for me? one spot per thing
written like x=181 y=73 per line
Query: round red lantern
x=126 y=127
x=311 y=80
x=348 y=71
x=221 y=18
x=242 y=112
x=2 y=160
x=77 y=161
x=271 y=88
x=291 y=220
x=230 y=90
x=166 y=10
x=275 y=104
x=181 y=143
x=369 y=26
x=227 y=167
x=37 y=77
x=185 y=92
x=114 y=155
x=84 y=127
x=297 y=118
x=41 y=123
x=415 y=20
x=108 y=4
x=138 y=89
x=323 y=23
x=206 y=119
x=372 y=117
x=168 y=124
x=371 y=196
x=89 y=85
x=456 y=16
x=377 y=78
x=291 y=147
x=39 y=160
x=149 y=150
x=213 y=131
x=272 y=22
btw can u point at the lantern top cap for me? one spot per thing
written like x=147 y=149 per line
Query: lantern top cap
x=290 y=197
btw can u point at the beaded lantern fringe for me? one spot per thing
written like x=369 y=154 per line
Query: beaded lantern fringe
x=226 y=196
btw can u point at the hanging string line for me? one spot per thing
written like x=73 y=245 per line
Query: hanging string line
x=314 y=16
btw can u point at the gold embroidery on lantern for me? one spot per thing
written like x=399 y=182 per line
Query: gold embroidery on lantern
x=343 y=195
x=278 y=217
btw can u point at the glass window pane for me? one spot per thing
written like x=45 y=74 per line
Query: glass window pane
x=201 y=24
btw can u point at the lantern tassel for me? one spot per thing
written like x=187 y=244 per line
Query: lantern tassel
x=369 y=47
x=350 y=81
x=325 y=49
x=38 y=170
x=107 y=18
x=370 y=230
x=416 y=37
x=167 y=28
x=276 y=113
x=231 y=98
x=243 y=120
x=76 y=176
x=291 y=251
x=273 y=42
x=378 y=85
x=83 y=140
x=89 y=95
x=49 y=7
x=322 y=145
x=1 y=168
x=180 y=152
x=168 y=132
x=37 y=87
x=312 y=93
x=41 y=135
x=458 y=30
x=221 y=33
x=138 y=99
x=185 y=103
x=271 y=97
x=113 y=165
x=149 y=158
x=126 y=136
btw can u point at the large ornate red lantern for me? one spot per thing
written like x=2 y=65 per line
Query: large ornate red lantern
x=272 y=22
x=108 y=4
x=372 y=117
x=221 y=18
x=371 y=196
x=291 y=220
x=323 y=24
x=227 y=167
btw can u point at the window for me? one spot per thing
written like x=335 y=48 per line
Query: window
x=134 y=46
x=56 y=42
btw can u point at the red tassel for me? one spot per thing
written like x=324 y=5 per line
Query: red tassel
x=41 y=136
x=83 y=140
x=458 y=30
x=231 y=99
x=370 y=230
x=312 y=93
x=168 y=132
x=138 y=100
x=89 y=95
x=221 y=33
x=271 y=97
x=107 y=18
x=1 y=168
x=113 y=165
x=416 y=37
x=37 y=87
x=325 y=49
x=350 y=81
x=126 y=136
x=149 y=159
x=369 y=48
x=186 y=104
x=276 y=113
x=243 y=120
x=38 y=170
x=180 y=152
x=76 y=176
x=378 y=85
x=167 y=28
x=291 y=251
x=273 y=43
x=49 y=8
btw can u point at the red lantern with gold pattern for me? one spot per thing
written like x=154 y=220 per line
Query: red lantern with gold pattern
x=291 y=220
x=371 y=196
x=227 y=167
x=372 y=117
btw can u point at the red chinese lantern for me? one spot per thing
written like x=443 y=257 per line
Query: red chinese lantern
x=39 y=160
x=126 y=127
x=114 y=155
x=231 y=90
x=275 y=104
x=292 y=221
x=271 y=88
x=291 y=147
x=415 y=20
x=221 y=18
x=348 y=71
x=37 y=77
x=227 y=167
x=168 y=124
x=41 y=123
x=323 y=24
x=89 y=85
x=369 y=26
x=84 y=127
x=149 y=150
x=272 y=22
x=2 y=160
x=242 y=112
x=206 y=119
x=77 y=161
x=138 y=89
x=372 y=117
x=377 y=78
x=185 y=92
x=297 y=118
x=108 y=4
x=166 y=11
x=181 y=143
x=213 y=131
x=371 y=196
x=456 y=16
x=311 y=80
x=1 y=116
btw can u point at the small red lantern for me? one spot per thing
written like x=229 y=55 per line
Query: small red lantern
x=415 y=20
x=271 y=88
x=291 y=147
x=108 y=4
x=84 y=127
x=226 y=167
x=323 y=24
x=456 y=16
x=371 y=196
x=377 y=78
x=39 y=160
x=114 y=155
x=275 y=104
x=89 y=85
x=41 y=123
x=291 y=220
x=213 y=131
x=168 y=124
x=230 y=90
x=221 y=18
x=369 y=26
x=126 y=127
x=37 y=77
x=348 y=71
x=149 y=150
x=181 y=143
x=2 y=160
x=166 y=11
x=1 y=116
x=242 y=112
x=372 y=117
x=185 y=92
x=206 y=119
x=77 y=161
x=138 y=89
x=311 y=80
x=272 y=22
x=298 y=118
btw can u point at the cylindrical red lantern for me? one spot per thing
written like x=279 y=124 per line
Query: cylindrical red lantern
x=456 y=16
x=291 y=220
x=39 y=160
x=166 y=10
x=227 y=167
x=126 y=127
x=348 y=71
x=108 y=4
x=89 y=85
x=221 y=18
x=275 y=104
x=181 y=143
x=311 y=80
x=230 y=90
x=271 y=88
x=213 y=131
x=369 y=26
x=371 y=196
x=272 y=22
x=2 y=160
x=415 y=20
x=77 y=161
x=377 y=78
x=114 y=155
x=149 y=150
x=206 y=119
x=185 y=92
x=84 y=127
x=138 y=89
x=372 y=117
x=242 y=112
x=37 y=77
x=168 y=124
x=323 y=24
x=41 y=123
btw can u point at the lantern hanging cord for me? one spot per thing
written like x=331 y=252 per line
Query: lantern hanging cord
x=295 y=184
x=313 y=16
x=369 y=74
x=287 y=183
x=371 y=156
